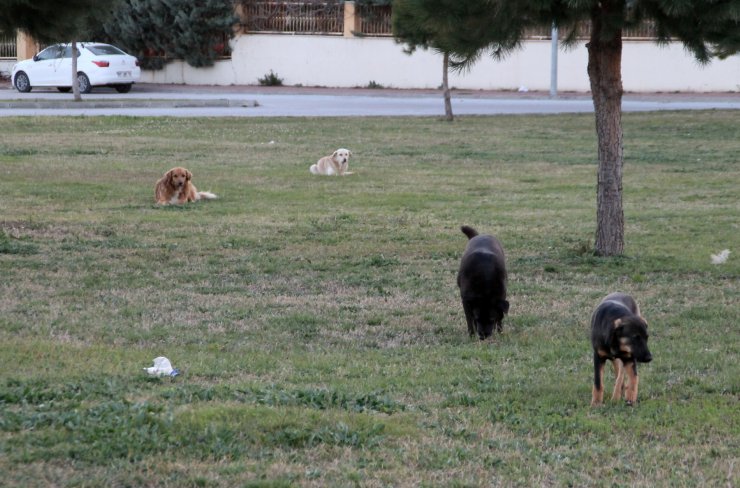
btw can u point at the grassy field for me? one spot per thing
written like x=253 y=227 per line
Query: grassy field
x=317 y=321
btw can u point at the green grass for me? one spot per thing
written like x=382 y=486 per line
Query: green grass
x=317 y=321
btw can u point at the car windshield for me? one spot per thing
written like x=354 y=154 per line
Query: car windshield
x=103 y=49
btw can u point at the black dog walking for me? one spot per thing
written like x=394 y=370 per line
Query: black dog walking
x=618 y=333
x=482 y=282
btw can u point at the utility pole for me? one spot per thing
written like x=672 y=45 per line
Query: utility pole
x=554 y=62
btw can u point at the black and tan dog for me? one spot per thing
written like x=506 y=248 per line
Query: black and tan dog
x=482 y=282
x=618 y=333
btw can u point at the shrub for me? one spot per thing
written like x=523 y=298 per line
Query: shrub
x=270 y=79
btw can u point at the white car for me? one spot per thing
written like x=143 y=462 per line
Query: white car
x=97 y=65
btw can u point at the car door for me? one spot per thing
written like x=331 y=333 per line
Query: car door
x=42 y=72
x=63 y=67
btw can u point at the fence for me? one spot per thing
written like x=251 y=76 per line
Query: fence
x=326 y=17
x=375 y=20
x=306 y=17
x=312 y=17
x=643 y=32
x=8 y=47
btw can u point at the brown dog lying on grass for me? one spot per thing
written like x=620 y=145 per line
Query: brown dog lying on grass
x=482 y=282
x=175 y=187
x=618 y=333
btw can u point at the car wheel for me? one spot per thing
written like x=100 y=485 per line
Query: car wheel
x=22 y=83
x=64 y=89
x=124 y=88
x=84 y=82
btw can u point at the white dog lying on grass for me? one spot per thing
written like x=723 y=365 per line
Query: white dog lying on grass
x=336 y=164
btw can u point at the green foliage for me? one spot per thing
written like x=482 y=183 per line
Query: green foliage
x=159 y=30
x=203 y=28
x=465 y=29
x=47 y=21
x=469 y=29
x=270 y=79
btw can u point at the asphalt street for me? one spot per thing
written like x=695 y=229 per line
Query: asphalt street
x=252 y=101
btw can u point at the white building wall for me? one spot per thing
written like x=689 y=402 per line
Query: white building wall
x=356 y=61
x=5 y=66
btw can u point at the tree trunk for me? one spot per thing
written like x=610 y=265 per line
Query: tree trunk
x=605 y=75
x=75 y=82
x=446 y=87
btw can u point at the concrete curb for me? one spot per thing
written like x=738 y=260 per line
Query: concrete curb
x=129 y=103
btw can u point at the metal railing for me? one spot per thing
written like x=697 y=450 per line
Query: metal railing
x=297 y=17
x=326 y=17
x=643 y=32
x=8 y=47
x=375 y=20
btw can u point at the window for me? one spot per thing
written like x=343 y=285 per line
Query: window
x=51 y=52
x=103 y=49
x=68 y=52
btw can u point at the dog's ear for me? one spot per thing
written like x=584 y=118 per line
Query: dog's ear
x=169 y=175
x=188 y=175
x=334 y=154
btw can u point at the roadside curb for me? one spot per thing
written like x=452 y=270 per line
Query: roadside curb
x=129 y=103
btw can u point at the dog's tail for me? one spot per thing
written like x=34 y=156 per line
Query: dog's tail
x=206 y=195
x=469 y=231
x=314 y=169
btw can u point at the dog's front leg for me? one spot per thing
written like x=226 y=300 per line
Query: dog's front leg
x=470 y=319
x=619 y=381
x=597 y=394
x=632 y=382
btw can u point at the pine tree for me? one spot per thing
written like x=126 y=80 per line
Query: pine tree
x=469 y=29
x=202 y=29
x=409 y=27
x=50 y=21
x=155 y=31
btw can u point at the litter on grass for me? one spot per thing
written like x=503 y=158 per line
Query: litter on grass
x=162 y=367
x=720 y=257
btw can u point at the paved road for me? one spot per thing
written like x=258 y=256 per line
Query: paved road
x=250 y=101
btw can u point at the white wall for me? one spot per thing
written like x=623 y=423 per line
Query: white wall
x=355 y=62
x=6 y=65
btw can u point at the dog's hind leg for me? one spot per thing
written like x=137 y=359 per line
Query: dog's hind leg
x=619 y=381
x=597 y=394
